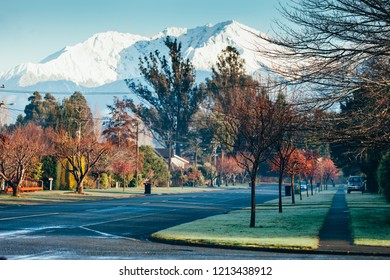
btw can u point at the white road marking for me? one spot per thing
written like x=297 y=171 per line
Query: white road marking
x=127 y=218
x=28 y=216
x=107 y=234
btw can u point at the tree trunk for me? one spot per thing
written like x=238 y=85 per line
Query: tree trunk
x=311 y=185
x=300 y=190
x=307 y=187
x=280 y=190
x=17 y=185
x=80 y=187
x=253 y=201
x=15 y=190
x=292 y=189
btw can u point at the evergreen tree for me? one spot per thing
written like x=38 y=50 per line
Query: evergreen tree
x=49 y=168
x=229 y=71
x=44 y=112
x=121 y=128
x=227 y=81
x=353 y=151
x=383 y=175
x=154 y=168
x=76 y=116
x=35 y=110
x=170 y=98
x=52 y=111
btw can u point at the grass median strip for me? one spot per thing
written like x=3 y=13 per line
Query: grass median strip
x=370 y=219
x=296 y=228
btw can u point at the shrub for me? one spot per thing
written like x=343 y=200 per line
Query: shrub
x=383 y=176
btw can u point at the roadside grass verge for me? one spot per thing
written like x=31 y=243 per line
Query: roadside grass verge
x=32 y=198
x=370 y=219
x=297 y=227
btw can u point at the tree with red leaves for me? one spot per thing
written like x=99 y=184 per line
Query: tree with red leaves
x=297 y=166
x=229 y=169
x=311 y=166
x=327 y=170
x=20 y=151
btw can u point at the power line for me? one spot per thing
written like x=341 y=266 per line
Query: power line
x=66 y=92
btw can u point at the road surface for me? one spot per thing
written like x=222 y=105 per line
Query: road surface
x=119 y=228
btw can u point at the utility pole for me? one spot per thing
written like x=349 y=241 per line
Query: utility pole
x=3 y=113
x=221 y=167
x=136 y=153
x=214 y=152
x=169 y=157
x=196 y=154
x=196 y=160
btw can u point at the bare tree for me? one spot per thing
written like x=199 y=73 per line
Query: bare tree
x=82 y=153
x=333 y=38
x=339 y=49
x=247 y=128
x=20 y=151
x=290 y=125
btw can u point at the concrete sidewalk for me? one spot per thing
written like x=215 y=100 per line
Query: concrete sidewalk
x=335 y=236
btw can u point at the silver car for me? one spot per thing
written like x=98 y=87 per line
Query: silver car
x=356 y=183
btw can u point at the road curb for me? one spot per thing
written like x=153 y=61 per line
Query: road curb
x=274 y=250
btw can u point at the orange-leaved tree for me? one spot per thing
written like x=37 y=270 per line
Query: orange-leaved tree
x=20 y=151
x=82 y=153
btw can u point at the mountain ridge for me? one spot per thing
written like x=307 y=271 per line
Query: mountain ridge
x=112 y=56
x=98 y=66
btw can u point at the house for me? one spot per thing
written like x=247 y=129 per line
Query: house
x=176 y=161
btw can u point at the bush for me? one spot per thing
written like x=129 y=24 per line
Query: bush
x=104 y=181
x=383 y=176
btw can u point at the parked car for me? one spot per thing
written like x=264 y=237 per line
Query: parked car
x=303 y=185
x=356 y=183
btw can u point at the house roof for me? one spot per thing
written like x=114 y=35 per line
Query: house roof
x=175 y=160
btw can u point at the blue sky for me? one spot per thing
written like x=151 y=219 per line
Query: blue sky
x=30 y=30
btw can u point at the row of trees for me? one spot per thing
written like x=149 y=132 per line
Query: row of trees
x=253 y=121
x=64 y=141
x=339 y=54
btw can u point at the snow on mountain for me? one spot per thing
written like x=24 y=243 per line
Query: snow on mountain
x=98 y=66
x=111 y=56
x=89 y=64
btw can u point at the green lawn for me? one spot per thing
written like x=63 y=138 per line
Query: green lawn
x=370 y=219
x=297 y=227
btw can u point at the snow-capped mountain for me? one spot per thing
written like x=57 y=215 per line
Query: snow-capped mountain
x=98 y=66
x=108 y=57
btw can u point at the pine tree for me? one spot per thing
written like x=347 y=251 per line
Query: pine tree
x=154 y=168
x=34 y=111
x=76 y=116
x=170 y=98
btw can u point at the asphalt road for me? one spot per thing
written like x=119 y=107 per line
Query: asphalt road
x=119 y=228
